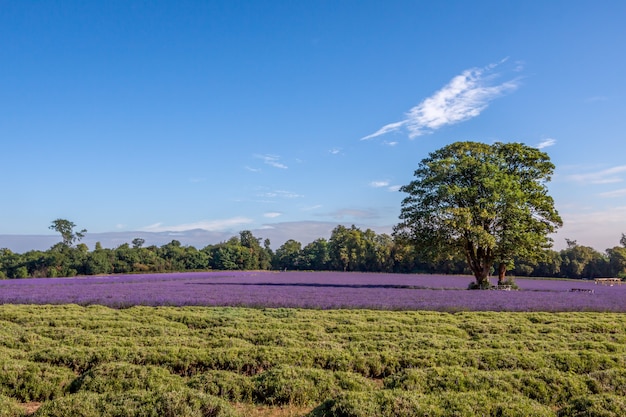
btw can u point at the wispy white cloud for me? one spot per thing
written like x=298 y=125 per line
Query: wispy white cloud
x=272 y=160
x=379 y=184
x=279 y=194
x=335 y=151
x=272 y=214
x=613 y=194
x=606 y=176
x=600 y=229
x=252 y=169
x=390 y=143
x=546 y=143
x=463 y=98
x=519 y=66
x=384 y=184
x=210 y=225
x=197 y=179
x=309 y=208
x=353 y=213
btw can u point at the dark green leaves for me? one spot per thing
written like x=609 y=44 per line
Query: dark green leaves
x=489 y=202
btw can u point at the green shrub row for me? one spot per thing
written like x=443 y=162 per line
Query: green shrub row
x=31 y=381
x=394 y=403
x=492 y=403
x=341 y=359
x=547 y=386
x=358 y=330
x=9 y=407
x=137 y=403
x=252 y=360
x=282 y=385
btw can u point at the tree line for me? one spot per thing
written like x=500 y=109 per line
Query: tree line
x=347 y=249
x=472 y=208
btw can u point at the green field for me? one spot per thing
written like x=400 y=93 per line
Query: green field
x=69 y=360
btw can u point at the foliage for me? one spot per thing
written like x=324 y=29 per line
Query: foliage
x=122 y=377
x=143 y=361
x=29 y=381
x=288 y=256
x=228 y=385
x=488 y=202
x=138 y=404
x=9 y=407
x=410 y=404
x=605 y=405
x=291 y=385
x=66 y=229
x=349 y=248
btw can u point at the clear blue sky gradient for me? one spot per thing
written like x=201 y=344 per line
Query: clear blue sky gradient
x=233 y=115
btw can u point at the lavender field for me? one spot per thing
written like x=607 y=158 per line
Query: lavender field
x=324 y=290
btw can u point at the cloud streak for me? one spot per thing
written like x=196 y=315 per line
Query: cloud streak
x=384 y=184
x=614 y=194
x=463 y=98
x=279 y=194
x=342 y=214
x=606 y=176
x=546 y=143
x=596 y=228
x=379 y=184
x=272 y=160
x=210 y=225
x=272 y=214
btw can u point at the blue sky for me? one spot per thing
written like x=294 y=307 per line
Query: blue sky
x=283 y=116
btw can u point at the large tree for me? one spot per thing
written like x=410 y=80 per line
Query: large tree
x=488 y=202
x=66 y=229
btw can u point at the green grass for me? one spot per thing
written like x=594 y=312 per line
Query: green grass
x=194 y=361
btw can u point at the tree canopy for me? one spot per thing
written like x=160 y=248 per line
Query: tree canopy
x=488 y=202
x=66 y=229
x=350 y=249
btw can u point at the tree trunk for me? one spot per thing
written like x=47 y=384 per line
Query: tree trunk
x=481 y=273
x=479 y=264
x=501 y=272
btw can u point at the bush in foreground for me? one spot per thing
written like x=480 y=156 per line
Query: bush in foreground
x=228 y=385
x=137 y=404
x=122 y=377
x=388 y=403
x=28 y=381
x=595 y=406
x=9 y=408
x=287 y=385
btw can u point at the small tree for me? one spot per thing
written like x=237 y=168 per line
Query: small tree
x=288 y=255
x=66 y=229
x=488 y=202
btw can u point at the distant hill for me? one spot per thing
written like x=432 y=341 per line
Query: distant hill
x=278 y=233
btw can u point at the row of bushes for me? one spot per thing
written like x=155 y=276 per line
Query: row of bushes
x=204 y=361
x=292 y=384
x=185 y=403
x=118 y=390
x=348 y=249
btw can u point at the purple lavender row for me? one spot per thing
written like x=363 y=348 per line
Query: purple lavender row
x=314 y=290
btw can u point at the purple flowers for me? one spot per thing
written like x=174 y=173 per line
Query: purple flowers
x=314 y=290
